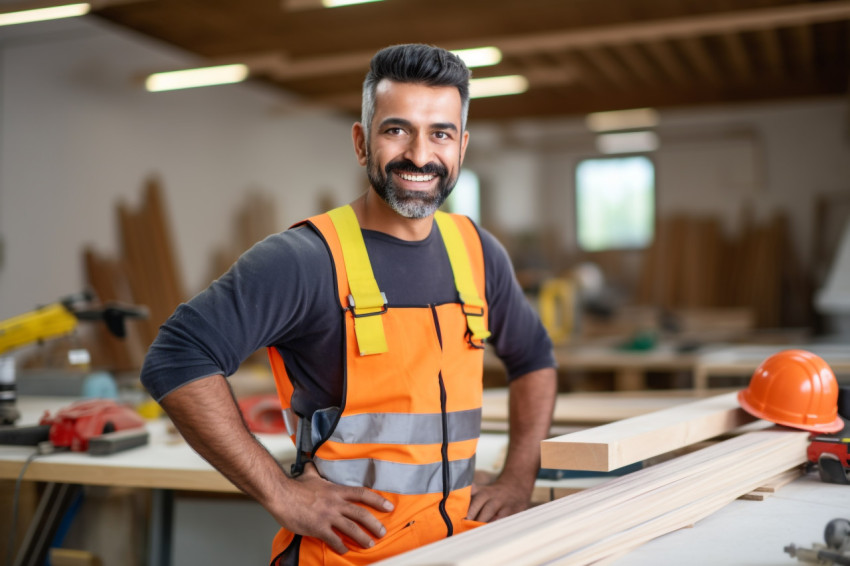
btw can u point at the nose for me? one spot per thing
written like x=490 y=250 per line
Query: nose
x=419 y=150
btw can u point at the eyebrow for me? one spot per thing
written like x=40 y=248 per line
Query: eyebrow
x=407 y=123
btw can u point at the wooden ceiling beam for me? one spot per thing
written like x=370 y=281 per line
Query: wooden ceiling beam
x=697 y=53
x=637 y=62
x=584 y=74
x=608 y=67
x=770 y=46
x=674 y=28
x=667 y=60
x=738 y=57
x=804 y=47
x=727 y=23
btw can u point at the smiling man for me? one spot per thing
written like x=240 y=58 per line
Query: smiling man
x=375 y=316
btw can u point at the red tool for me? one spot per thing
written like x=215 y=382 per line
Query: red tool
x=75 y=425
x=831 y=452
x=263 y=413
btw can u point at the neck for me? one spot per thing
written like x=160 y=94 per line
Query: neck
x=374 y=213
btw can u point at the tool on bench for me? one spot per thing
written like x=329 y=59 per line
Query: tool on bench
x=48 y=322
x=96 y=426
x=837 y=548
x=831 y=452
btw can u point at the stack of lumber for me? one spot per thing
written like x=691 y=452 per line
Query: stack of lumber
x=693 y=264
x=609 y=519
x=146 y=274
x=254 y=220
x=148 y=254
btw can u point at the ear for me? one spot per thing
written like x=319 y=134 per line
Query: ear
x=464 y=140
x=358 y=136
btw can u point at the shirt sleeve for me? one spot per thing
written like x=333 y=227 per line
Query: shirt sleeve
x=259 y=302
x=518 y=337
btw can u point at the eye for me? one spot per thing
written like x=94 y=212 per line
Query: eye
x=394 y=131
x=441 y=135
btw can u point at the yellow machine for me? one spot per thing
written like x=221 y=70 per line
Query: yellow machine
x=46 y=323
x=51 y=321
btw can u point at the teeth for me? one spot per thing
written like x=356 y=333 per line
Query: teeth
x=412 y=177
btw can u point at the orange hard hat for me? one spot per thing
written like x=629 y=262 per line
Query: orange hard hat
x=794 y=388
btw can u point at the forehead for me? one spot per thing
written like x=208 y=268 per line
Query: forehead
x=417 y=103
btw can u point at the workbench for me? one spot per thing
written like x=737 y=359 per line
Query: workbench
x=744 y=532
x=168 y=466
x=742 y=360
x=165 y=465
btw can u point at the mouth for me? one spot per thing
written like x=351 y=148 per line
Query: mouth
x=416 y=177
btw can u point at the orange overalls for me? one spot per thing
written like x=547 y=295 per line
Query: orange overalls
x=411 y=414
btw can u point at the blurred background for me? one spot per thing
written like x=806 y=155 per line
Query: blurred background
x=651 y=166
x=671 y=178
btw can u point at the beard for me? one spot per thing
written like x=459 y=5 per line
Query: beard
x=410 y=204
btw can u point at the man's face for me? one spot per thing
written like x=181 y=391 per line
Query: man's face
x=416 y=146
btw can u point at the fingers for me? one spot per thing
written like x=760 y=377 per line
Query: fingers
x=361 y=517
x=475 y=505
x=370 y=498
x=490 y=504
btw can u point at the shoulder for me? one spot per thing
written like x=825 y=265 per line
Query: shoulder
x=297 y=246
x=496 y=258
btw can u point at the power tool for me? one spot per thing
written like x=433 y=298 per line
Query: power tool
x=837 y=548
x=831 y=452
x=48 y=322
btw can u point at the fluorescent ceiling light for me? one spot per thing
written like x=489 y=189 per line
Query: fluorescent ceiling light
x=41 y=14
x=497 y=86
x=627 y=142
x=191 y=78
x=480 y=56
x=622 y=120
x=338 y=3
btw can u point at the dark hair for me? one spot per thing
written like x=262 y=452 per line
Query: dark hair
x=415 y=63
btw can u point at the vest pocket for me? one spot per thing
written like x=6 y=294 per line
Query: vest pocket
x=391 y=544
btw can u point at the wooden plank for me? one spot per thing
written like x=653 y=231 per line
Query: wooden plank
x=625 y=442
x=648 y=503
x=773 y=485
x=597 y=408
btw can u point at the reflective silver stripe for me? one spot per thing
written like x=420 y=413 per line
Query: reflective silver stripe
x=290 y=419
x=393 y=477
x=407 y=428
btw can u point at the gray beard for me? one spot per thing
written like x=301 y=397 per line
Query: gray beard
x=409 y=204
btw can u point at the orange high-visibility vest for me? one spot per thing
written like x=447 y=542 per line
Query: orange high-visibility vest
x=411 y=414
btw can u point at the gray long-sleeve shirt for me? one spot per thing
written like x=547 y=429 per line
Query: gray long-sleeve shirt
x=282 y=293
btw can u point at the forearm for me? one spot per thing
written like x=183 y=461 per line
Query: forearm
x=207 y=416
x=532 y=400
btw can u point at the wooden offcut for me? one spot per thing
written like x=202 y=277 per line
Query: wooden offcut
x=628 y=441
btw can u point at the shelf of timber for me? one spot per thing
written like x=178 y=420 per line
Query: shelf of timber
x=610 y=519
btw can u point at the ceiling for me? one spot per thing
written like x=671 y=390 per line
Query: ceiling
x=578 y=55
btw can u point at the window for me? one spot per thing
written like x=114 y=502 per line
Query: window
x=466 y=196
x=615 y=203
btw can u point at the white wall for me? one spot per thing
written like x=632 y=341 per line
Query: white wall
x=78 y=134
x=772 y=156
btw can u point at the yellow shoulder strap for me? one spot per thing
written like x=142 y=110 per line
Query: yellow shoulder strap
x=366 y=301
x=473 y=306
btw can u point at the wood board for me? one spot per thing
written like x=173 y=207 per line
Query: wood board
x=624 y=512
x=612 y=446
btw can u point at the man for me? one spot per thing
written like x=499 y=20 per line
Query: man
x=375 y=316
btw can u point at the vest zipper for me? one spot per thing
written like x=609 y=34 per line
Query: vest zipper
x=444 y=449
